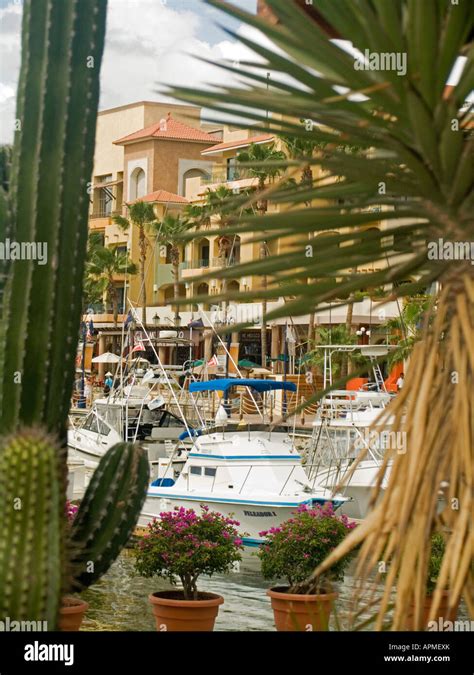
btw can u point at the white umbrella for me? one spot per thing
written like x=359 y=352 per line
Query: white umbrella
x=107 y=357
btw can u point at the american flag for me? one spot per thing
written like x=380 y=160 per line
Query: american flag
x=138 y=348
x=213 y=361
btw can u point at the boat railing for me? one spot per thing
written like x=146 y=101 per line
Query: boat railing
x=251 y=469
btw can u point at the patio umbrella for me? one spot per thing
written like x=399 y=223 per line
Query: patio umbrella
x=245 y=363
x=107 y=357
x=261 y=371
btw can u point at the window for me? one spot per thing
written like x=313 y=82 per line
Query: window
x=91 y=424
x=232 y=169
x=105 y=202
x=170 y=420
x=208 y=471
x=137 y=184
x=104 y=429
x=196 y=470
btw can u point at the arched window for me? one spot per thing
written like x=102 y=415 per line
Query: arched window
x=137 y=184
x=192 y=173
x=203 y=289
x=204 y=252
x=233 y=286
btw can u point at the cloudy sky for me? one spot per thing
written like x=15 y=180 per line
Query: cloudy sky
x=148 y=43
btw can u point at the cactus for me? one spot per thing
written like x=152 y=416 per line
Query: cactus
x=40 y=308
x=62 y=44
x=31 y=527
x=108 y=512
x=48 y=201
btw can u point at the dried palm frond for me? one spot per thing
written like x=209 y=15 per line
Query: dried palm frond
x=414 y=138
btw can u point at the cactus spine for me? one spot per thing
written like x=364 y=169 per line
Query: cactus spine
x=31 y=527
x=108 y=512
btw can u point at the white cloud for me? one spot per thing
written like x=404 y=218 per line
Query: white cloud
x=10 y=29
x=156 y=46
x=148 y=45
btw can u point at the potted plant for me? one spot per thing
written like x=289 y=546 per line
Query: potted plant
x=183 y=545
x=292 y=551
x=72 y=609
x=445 y=612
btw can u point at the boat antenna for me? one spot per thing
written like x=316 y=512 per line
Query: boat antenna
x=222 y=343
x=168 y=382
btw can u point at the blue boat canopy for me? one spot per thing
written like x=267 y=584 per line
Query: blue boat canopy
x=224 y=384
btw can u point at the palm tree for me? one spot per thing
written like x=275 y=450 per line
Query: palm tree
x=141 y=215
x=302 y=149
x=260 y=161
x=102 y=269
x=169 y=231
x=415 y=162
x=223 y=203
x=337 y=335
x=410 y=325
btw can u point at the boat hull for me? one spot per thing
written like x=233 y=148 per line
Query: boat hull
x=254 y=516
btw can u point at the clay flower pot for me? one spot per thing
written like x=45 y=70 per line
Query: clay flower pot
x=444 y=612
x=71 y=613
x=173 y=613
x=294 y=612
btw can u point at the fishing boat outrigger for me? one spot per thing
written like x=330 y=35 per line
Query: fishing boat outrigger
x=252 y=471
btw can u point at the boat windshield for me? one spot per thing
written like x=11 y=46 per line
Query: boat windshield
x=112 y=415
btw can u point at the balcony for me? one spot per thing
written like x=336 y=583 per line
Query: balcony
x=212 y=263
x=223 y=175
x=104 y=214
x=164 y=273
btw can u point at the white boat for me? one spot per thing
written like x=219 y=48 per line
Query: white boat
x=345 y=424
x=251 y=472
x=135 y=414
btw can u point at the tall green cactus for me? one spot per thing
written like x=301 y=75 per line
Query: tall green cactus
x=40 y=307
x=31 y=527
x=62 y=44
x=108 y=512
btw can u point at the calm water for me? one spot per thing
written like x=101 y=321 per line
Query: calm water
x=119 y=601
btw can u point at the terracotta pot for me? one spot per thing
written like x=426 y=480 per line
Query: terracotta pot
x=294 y=612
x=71 y=613
x=443 y=613
x=173 y=613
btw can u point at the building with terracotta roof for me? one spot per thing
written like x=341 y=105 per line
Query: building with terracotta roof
x=147 y=151
x=162 y=154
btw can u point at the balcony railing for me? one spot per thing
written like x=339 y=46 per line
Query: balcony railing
x=104 y=214
x=200 y=263
x=222 y=175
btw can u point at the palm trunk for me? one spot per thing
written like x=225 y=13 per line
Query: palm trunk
x=176 y=292
x=349 y=315
x=114 y=299
x=142 y=246
x=310 y=331
x=263 y=254
x=307 y=179
x=262 y=206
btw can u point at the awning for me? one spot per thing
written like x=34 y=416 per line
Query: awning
x=224 y=384
x=106 y=184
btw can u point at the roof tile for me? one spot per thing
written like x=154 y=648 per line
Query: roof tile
x=168 y=129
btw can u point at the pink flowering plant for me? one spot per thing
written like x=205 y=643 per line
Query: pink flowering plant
x=183 y=545
x=71 y=510
x=293 y=550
